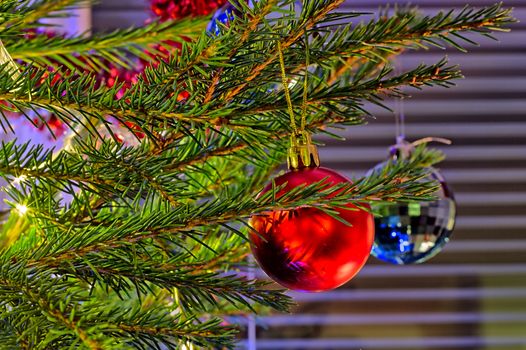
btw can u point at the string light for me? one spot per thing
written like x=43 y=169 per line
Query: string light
x=22 y=209
x=17 y=180
x=187 y=346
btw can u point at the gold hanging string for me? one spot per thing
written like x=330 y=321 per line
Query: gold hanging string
x=286 y=90
x=302 y=152
x=305 y=83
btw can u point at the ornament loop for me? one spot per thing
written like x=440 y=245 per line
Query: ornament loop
x=302 y=153
x=432 y=139
x=403 y=148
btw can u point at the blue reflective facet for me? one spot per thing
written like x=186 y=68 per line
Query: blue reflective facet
x=411 y=233
x=222 y=17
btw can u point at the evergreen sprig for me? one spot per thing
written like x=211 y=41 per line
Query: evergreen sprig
x=17 y=16
x=119 y=49
x=142 y=244
x=158 y=94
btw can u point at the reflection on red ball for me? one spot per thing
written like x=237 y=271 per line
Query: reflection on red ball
x=305 y=249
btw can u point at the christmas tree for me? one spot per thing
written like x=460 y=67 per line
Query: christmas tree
x=133 y=232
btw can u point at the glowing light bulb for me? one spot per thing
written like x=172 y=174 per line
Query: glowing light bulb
x=22 y=209
x=17 y=180
x=187 y=346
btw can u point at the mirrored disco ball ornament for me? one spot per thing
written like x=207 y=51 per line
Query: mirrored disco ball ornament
x=412 y=233
x=223 y=16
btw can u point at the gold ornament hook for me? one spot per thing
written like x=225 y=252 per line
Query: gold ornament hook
x=302 y=152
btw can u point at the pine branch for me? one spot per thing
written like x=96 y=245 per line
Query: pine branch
x=22 y=15
x=35 y=299
x=70 y=320
x=92 y=259
x=357 y=51
x=205 y=49
x=313 y=15
x=192 y=287
x=150 y=105
x=100 y=102
x=104 y=174
x=204 y=334
x=375 y=43
x=408 y=30
x=256 y=17
x=120 y=47
x=157 y=322
x=132 y=246
x=438 y=74
x=167 y=268
x=88 y=341
x=96 y=170
x=175 y=225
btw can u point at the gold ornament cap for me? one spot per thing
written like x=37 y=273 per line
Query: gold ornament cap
x=302 y=153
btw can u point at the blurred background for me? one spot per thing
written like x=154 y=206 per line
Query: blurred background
x=473 y=294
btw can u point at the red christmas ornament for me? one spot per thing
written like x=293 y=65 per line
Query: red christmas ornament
x=175 y=9
x=121 y=76
x=165 y=50
x=126 y=77
x=306 y=249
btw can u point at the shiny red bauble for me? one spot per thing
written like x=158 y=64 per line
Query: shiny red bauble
x=176 y=9
x=306 y=249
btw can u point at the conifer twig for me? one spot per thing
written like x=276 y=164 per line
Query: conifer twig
x=287 y=41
